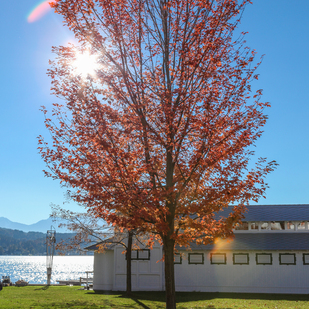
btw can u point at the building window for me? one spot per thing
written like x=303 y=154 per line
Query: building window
x=290 y=225
x=287 y=259
x=242 y=226
x=196 y=258
x=265 y=225
x=177 y=258
x=306 y=258
x=277 y=226
x=217 y=258
x=301 y=225
x=241 y=258
x=141 y=254
x=254 y=225
x=133 y=255
x=264 y=259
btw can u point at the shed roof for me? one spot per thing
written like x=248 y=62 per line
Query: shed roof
x=109 y=244
x=296 y=241
x=259 y=241
x=272 y=212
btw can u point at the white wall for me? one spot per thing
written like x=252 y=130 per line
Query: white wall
x=103 y=270
x=146 y=274
x=254 y=278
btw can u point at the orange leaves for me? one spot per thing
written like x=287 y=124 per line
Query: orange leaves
x=162 y=132
x=160 y=138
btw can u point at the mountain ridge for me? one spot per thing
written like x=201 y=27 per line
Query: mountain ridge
x=16 y=242
x=40 y=226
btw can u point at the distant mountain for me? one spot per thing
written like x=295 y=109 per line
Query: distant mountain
x=16 y=242
x=41 y=226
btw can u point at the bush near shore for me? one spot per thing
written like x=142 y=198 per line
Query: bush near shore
x=73 y=297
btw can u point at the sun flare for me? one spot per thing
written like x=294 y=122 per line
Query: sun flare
x=86 y=64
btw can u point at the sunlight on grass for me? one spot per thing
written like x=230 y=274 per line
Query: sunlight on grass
x=73 y=297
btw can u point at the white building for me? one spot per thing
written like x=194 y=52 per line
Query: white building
x=269 y=254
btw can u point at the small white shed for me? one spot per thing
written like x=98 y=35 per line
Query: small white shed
x=269 y=254
x=110 y=269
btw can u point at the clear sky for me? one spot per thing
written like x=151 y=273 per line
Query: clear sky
x=277 y=28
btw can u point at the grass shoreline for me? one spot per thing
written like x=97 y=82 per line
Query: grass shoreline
x=42 y=296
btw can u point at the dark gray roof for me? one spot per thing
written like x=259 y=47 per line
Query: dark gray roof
x=259 y=241
x=272 y=213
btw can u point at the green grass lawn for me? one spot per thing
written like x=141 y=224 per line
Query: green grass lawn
x=73 y=297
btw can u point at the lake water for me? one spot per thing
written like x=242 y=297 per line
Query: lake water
x=33 y=268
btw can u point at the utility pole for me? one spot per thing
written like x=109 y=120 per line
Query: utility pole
x=50 y=250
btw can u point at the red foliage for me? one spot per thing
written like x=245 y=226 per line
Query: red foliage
x=164 y=129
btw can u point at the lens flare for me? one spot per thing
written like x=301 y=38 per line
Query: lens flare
x=220 y=243
x=85 y=64
x=39 y=11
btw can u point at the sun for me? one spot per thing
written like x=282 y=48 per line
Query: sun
x=85 y=64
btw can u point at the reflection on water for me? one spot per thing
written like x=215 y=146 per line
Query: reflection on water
x=33 y=268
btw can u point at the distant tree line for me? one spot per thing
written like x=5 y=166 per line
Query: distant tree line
x=15 y=242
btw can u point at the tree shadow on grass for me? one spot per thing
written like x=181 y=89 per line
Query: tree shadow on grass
x=137 y=297
x=183 y=297
x=191 y=296
x=140 y=297
x=44 y=288
x=86 y=305
x=140 y=303
x=72 y=304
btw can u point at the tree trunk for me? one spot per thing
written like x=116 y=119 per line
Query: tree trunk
x=128 y=253
x=169 y=273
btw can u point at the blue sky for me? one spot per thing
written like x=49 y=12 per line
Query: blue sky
x=278 y=29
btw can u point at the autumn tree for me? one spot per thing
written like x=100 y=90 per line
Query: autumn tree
x=88 y=230
x=161 y=136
